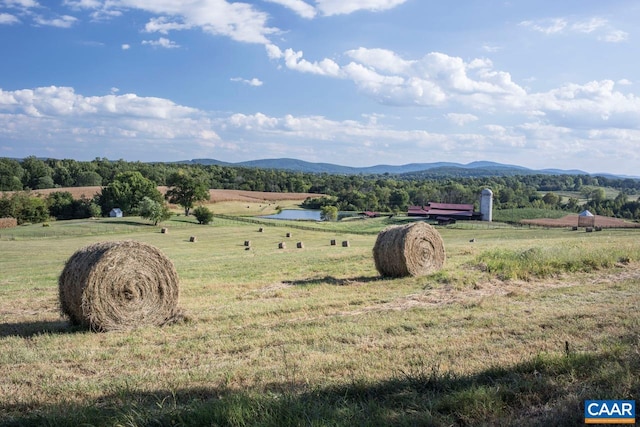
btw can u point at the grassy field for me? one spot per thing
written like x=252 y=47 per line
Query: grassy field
x=520 y=327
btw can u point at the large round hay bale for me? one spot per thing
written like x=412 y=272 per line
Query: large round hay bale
x=414 y=249
x=122 y=285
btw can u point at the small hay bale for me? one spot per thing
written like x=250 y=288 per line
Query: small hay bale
x=333 y=242
x=260 y=230
x=164 y=230
x=193 y=239
x=123 y=285
x=414 y=249
x=282 y=245
x=288 y=234
x=345 y=244
x=247 y=243
x=299 y=245
x=8 y=222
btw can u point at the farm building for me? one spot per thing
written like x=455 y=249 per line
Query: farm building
x=586 y=219
x=115 y=213
x=445 y=212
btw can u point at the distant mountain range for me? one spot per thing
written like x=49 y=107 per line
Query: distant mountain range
x=437 y=169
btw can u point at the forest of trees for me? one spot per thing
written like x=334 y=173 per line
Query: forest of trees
x=385 y=193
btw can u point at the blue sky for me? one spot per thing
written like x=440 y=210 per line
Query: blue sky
x=541 y=84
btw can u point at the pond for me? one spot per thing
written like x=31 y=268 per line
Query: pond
x=296 y=214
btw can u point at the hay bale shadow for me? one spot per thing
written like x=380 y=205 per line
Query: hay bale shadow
x=30 y=329
x=334 y=281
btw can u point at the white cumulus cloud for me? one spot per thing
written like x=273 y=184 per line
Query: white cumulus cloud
x=162 y=42
x=8 y=19
x=300 y=7
x=341 y=7
x=251 y=82
x=64 y=21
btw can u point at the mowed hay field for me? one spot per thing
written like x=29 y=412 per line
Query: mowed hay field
x=518 y=328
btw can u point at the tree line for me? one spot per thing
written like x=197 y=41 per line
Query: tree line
x=125 y=185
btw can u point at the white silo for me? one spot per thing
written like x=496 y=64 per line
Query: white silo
x=486 y=204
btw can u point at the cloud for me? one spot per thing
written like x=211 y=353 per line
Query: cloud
x=491 y=49
x=161 y=42
x=342 y=7
x=294 y=61
x=125 y=46
x=461 y=119
x=589 y=26
x=615 y=36
x=303 y=9
x=432 y=80
x=82 y=4
x=60 y=114
x=547 y=26
x=237 y=20
x=380 y=59
x=589 y=106
x=7 y=19
x=22 y=4
x=163 y=25
x=442 y=81
x=64 y=21
x=596 y=25
x=252 y=82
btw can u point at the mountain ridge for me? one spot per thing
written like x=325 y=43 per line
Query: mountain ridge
x=473 y=169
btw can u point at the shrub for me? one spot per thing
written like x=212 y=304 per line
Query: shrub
x=203 y=215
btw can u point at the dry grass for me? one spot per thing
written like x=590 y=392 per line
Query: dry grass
x=301 y=336
x=572 y=220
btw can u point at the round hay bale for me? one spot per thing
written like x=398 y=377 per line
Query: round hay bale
x=333 y=242
x=260 y=230
x=414 y=249
x=288 y=234
x=193 y=239
x=300 y=245
x=164 y=230
x=121 y=285
x=247 y=243
x=345 y=244
x=282 y=245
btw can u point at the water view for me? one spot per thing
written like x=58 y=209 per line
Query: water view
x=296 y=214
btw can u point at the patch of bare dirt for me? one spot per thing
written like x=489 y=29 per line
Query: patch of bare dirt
x=572 y=221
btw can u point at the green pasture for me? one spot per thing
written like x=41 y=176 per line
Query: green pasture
x=519 y=328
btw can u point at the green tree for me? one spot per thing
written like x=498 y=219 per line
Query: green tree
x=551 y=199
x=203 y=215
x=399 y=199
x=24 y=207
x=11 y=174
x=37 y=174
x=186 y=189
x=126 y=192
x=60 y=204
x=154 y=211
x=329 y=213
